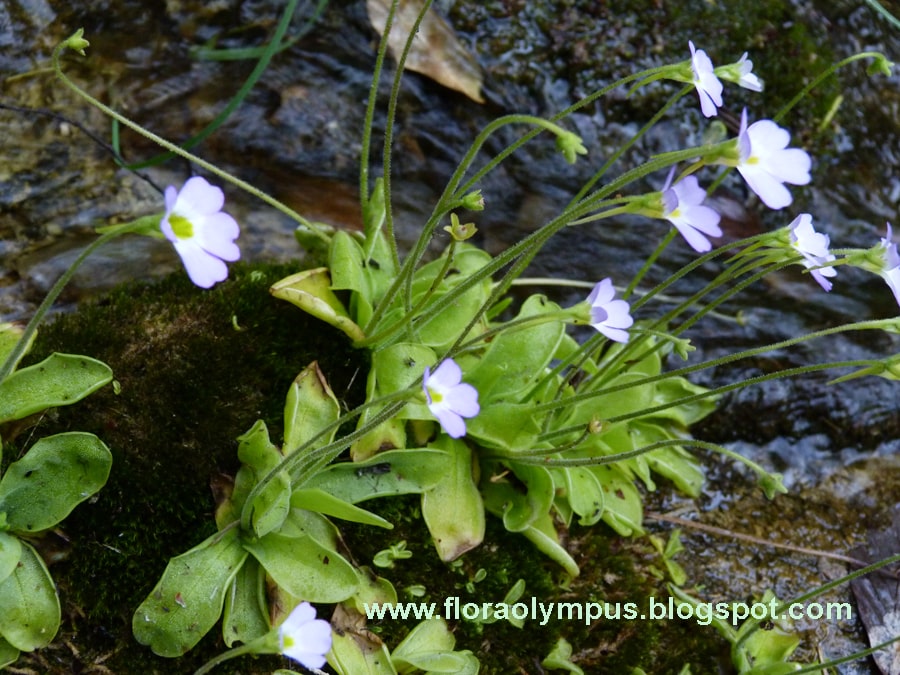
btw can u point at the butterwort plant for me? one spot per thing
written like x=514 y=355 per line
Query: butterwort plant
x=520 y=420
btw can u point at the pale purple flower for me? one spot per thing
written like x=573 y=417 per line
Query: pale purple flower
x=746 y=78
x=891 y=271
x=305 y=638
x=609 y=316
x=683 y=207
x=449 y=398
x=203 y=235
x=766 y=163
x=709 y=88
x=813 y=246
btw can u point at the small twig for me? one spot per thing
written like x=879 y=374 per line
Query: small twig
x=712 y=529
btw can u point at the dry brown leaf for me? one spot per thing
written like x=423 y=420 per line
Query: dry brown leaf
x=435 y=53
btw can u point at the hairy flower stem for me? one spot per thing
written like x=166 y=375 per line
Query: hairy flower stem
x=710 y=393
x=19 y=350
x=171 y=147
x=307 y=460
x=730 y=358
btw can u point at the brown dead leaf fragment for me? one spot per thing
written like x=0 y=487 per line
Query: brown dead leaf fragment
x=435 y=52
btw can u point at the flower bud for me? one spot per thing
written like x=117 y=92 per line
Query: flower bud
x=459 y=231
x=77 y=42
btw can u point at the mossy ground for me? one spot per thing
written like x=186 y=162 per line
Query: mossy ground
x=195 y=370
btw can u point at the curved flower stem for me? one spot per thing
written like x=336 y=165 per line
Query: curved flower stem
x=389 y=124
x=171 y=147
x=513 y=147
x=304 y=462
x=249 y=648
x=265 y=56
x=822 y=77
x=410 y=314
x=686 y=400
x=19 y=350
x=445 y=204
x=453 y=191
x=630 y=143
x=729 y=358
x=651 y=260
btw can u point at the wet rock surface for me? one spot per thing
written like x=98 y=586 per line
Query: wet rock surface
x=297 y=136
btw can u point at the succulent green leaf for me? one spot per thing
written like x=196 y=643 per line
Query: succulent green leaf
x=527 y=494
x=60 y=379
x=517 y=357
x=314 y=499
x=310 y=406
x=271 y=506
x=305 y=568
x=188 y=600
x=311 y=291
x=347 y=264
x=10 y=334
x=245 y=615
x=452 y=509
x=506 y=426
x=303 y=523
x=10 y=554
x=623 y=510
x=429 y=648
x=355 y=655
x=8 y=653
x=543 y=535
x=559 y=658
x=257 y=451
x=29 y=606
x=258 y=456
x=55 y=475
x=395 y=472
x=367 y=272
x=584 y=493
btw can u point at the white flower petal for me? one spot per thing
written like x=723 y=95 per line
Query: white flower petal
x=209 y=238
x=200 y=197
x=449 y=398
x=769 y=189
x=609 y=316
x=304 y=638
x=205 y=270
